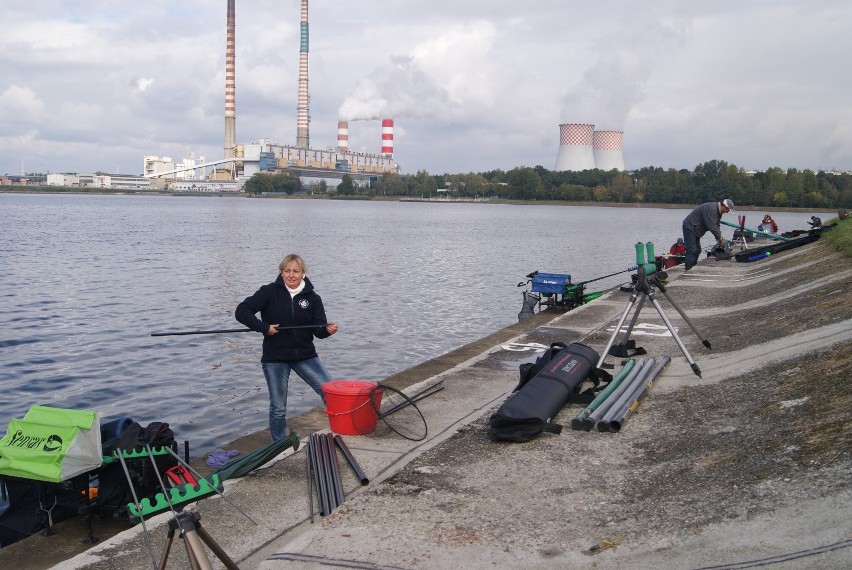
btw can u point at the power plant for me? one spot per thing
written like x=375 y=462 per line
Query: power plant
x=244 y=160
x=581 y=147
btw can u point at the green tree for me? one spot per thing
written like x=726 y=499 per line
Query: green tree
x=524 y=183
x=346 y=187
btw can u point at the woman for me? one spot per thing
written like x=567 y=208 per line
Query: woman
x=291 y=315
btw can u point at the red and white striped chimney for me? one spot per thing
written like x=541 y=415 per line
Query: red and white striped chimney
x=387 y=137
x=575 y=147
x=230 y=85
x=342 y=136
x=606 y=146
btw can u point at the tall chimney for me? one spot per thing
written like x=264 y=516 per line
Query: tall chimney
x=387 y=137
x=342 y=136
x=575 y=147
x=303 y=117
x=606 y=146
x=230 y=85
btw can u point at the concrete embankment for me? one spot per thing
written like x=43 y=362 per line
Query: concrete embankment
x=748 y=464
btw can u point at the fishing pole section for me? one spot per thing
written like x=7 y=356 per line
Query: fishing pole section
x=228 y=331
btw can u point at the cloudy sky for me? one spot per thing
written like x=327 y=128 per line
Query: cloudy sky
x=473 y=85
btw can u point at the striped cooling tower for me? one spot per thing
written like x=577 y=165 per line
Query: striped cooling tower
x=575 y=147
x=342 y=136
x=387 y=137
x=230 y=85
x=607 y=149
x=303 y=138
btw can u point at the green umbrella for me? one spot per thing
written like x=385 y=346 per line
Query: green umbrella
x=250 y=461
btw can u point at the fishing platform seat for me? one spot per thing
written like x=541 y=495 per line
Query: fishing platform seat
x=557 y=290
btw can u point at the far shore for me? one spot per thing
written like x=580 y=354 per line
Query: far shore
x=101 y=191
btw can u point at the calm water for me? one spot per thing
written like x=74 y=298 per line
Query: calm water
x=85 y=280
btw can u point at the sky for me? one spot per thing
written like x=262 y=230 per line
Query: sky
x=472 y=85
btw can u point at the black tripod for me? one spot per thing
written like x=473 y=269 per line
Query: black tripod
x=190 y=531
x=644 y=287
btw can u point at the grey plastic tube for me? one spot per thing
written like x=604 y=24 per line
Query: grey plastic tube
x=616 y=423
x=577 y=423
x=627 y=396
x=602 y=409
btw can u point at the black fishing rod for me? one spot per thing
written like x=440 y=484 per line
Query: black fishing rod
x=635 y=267
x=225 y=331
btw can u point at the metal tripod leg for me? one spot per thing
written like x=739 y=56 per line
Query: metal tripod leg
x=191 y=530
x=683 y=349
x=621 y=320
x=629 y=331
x=686 y=318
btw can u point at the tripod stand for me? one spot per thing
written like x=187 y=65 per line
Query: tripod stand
x=644 y=287
x=190 y=530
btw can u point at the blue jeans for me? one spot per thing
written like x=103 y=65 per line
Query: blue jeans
x=277 y=379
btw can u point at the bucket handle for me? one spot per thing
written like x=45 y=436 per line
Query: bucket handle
x=359 y=406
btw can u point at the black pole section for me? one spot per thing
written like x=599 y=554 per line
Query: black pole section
x=337 y=484
x=359 y=473
x=330 y=497
x=310 y=486
x=225 y=331
x=322 y=498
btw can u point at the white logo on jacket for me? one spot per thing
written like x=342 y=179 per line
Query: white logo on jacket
x=303 y=304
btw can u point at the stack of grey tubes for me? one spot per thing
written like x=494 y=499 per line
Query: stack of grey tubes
x=610 y=409
x=323 y=471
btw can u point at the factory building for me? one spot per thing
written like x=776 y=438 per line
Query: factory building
x=244 y=160
x=581 y=147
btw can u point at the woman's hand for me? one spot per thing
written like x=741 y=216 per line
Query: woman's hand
x=331 y=328
x=273 y=329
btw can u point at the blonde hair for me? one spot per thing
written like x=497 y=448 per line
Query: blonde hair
x=291 y=259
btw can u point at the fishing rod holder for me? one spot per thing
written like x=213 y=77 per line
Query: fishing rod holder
x=646 y=279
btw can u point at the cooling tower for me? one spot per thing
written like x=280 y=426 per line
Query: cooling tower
x=342 y=136
x=302 y=114
x=387 y=137
x=607 y=149
x=575 y=147
x=230 y=85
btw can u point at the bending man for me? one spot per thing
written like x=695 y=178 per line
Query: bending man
x=705 y=218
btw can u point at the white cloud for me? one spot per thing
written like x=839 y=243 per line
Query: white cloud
x=473 y=85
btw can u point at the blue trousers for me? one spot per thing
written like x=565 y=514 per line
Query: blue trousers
x=277 y=380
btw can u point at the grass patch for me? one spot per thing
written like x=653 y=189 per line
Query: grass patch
x=840 y=236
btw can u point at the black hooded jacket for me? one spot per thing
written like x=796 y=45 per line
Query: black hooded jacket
x=276 y=306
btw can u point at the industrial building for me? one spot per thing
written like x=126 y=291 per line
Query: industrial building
x=581 y=147
x=241 y=161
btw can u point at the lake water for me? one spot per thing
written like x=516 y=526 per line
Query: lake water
x=85 y=280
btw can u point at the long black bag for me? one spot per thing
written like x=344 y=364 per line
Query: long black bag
x=545 y=387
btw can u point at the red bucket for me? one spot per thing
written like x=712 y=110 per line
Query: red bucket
x=347 y=404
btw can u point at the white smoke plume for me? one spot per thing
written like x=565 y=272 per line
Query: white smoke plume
x=399 y=90
x=615 y=83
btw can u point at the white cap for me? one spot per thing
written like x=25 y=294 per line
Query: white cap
x=729 y=204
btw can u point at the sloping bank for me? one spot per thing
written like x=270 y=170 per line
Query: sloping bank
x=748 y=463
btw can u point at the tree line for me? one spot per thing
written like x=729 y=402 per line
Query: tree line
x=713 y=180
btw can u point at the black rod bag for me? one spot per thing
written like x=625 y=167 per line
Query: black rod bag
x=529 y=410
